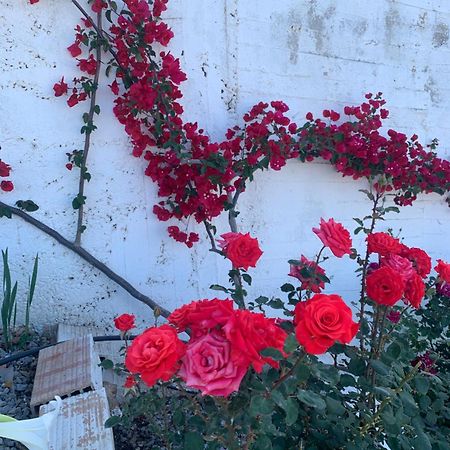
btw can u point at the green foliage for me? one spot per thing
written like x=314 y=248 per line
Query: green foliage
x=9 y=302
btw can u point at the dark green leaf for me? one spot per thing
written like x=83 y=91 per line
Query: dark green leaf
x=272 y=353
x=247 y=278
x=312 y=399
x=112 y=421
x=193 y=441
x=287 y=287
x=107 y=364
x=218 y=287
x=379 y=367
x=27 y=205
x=422 y=384
x=260 y=405
x=290 y=344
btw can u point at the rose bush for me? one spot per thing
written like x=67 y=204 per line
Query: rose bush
x=260 y=382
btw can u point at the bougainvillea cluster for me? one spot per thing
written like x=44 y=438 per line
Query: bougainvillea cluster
x=195 y=175
x=5 y=170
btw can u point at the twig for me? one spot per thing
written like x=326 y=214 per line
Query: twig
x=89 y=129
x=89 y=258
x=211 y=238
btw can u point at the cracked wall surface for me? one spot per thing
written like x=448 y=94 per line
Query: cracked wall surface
x=312 y=54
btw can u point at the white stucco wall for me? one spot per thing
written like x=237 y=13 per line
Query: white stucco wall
x=311 y=54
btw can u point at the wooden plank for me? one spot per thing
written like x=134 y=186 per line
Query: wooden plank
x=66 y=368
x=80 y=423
x=109 y=350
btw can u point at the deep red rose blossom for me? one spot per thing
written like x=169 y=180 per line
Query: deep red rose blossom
x=124 y=322
x=241 y=249
x=249 y=334
x=309 y=274
x=202 y=316
x=443 y=270
x=335 y=237
x=385 y=286
x=322 y=321
x=383 y=244
x=415 y=290
x=155 y=354
x=420 y=260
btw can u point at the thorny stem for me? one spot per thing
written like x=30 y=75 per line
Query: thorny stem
x=289 y=372
x=365 y=265
x=89 y=126
x=80 y=251
x=409 y=376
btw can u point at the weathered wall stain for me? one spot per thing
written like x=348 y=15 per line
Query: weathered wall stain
x=293 y=37
x=440 y=35
x=319 y=24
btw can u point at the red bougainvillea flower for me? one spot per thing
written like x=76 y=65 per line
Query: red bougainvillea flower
x=6 y=186
x=75 y=49
x=443 y=270
x=401 y=265
x=310 y=274
x=33 y=1
x=249 y=334
x=208 y=366
x=322 y=321
x=202 y=316
x=383 y=244
x=155 y=354
x=415 y=290
x=335 y=237
x=419 y=258
x=130 y=382
x=385 y=286
x=60 y=88
x=124 y=322
x=242 y=250
x=88 y=65
x=5 y=169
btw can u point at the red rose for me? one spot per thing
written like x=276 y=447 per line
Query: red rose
x=241 y=249
x=420 y=260
x=124 y=322
x=155 y=354
x=385 y=286
x=309 y=273
x=4 y=169
x=443 y=269
x=415 y=290
x=202 y=316
x=249 y=334
x=383 y=244
x=322 y=321
x=335 y=237
x=6 y=186
x=208 y=365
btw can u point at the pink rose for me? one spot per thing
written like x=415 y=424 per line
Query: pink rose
x=402 y=266
x=335 y=237
x=208 y=366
